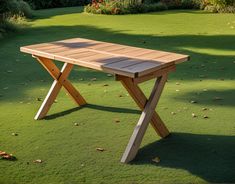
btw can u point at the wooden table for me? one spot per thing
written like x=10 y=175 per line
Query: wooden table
x=130 y=65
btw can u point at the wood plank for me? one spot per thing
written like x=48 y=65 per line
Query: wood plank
x=139 y=97
x=155 y=74
x=96 y=54
x=144 y=68
x=60 y=77
x=122 y=64
x=141 y=127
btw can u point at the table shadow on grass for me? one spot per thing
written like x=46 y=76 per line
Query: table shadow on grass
x=93 y=106
x=210 y=97
x=210 y=157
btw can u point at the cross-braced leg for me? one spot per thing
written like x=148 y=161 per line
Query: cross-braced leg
x=60 y=80
x=147 y=115
x=141 y=100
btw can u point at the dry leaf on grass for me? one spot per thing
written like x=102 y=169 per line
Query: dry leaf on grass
x=76 y=124
x=7 y=156
x=116 y=120
x=100 y=149
x=39 y=161
x=194 y=115
x=94 y=79
x=217 y=98
x=156 y=160
x=205 y=117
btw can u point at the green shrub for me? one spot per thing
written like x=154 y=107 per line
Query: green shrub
x=10 y=12
x=122 y=7
x=42 y=4
x=25 y=9
x=221 y=6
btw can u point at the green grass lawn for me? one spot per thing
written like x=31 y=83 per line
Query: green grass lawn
x=198 y=151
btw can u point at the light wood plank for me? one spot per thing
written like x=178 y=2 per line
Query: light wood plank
x=140 y=99
x=139 y=131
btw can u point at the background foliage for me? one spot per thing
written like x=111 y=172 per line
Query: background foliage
x=143 y=6
x=36 y=4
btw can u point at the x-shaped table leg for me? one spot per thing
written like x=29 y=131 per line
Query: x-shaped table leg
x=60 y=79
x=148 y=114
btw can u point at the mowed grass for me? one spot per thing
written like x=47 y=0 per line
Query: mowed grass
x=198 y=151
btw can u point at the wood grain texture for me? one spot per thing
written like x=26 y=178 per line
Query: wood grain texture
x=146 y=116
x=60 y=79
x=98 y=55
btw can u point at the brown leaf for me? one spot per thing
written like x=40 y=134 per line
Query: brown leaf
x=39 y=99
x=94 y=79
x=76 y=124
x=156 y=160
x=217 y=98
x=14 y=134
x=100 y=149
x=39 y=161
x=6 y=156
x=205 y=117
x=116 y=120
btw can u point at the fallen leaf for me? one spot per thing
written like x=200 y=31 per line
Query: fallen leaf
x=194 y=115
x=204 y=109
x=217 y=98
x=37 y=161
x=156 y=160
x=173 y=113
x=205 y=117
x=39 y=99
x=94 y=79
x=14 y=134
x=7 y=156
x=100 y=149
x=192 y=101
x=55 y=101
x=76 y=124
x=177 y=83
x=116 y=120
x=177 y=90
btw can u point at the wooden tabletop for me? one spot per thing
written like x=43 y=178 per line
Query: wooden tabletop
x=108 y=57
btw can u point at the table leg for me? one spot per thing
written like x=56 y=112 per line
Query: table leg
x=148 y=114
x=60 y=80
